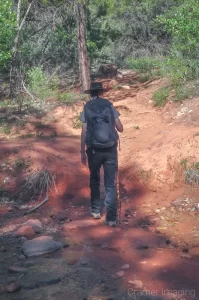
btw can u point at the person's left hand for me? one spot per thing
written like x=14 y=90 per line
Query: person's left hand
x=83 y=158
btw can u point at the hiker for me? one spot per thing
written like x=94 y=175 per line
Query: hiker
x=100 y=138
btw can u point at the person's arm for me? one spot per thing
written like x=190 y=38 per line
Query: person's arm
x=119 y=125
x=82 y=150
x=83 y=135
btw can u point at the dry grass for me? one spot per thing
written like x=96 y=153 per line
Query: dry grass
x=38 y=184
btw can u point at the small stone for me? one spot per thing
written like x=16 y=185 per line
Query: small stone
x=35 y=224
x=157 y=210
x=137 y=284
x=187 y=256
x=118 y=275
x=10 y=209
x=177 y=202
x=126 y=87
x=125 y=267
x=13 y=287
x=16 y=269
x=25 y=231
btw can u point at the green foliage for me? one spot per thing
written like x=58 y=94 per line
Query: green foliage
x=144 y=64
x=160 y=96
x=5 y=127
x=182 y=23
x=70 y=98
x=7 y=24
x=20 y=163
x=181 y=93
x=144 y=78
x=38 y=84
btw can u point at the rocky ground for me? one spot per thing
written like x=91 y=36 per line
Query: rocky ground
x=58 y=251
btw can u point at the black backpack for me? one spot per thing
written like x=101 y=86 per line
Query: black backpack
x=100 y=121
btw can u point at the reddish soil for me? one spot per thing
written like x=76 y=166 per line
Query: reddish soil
x=158 y=238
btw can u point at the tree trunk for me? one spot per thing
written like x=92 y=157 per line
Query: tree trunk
x=15 y=74
x=82 y=50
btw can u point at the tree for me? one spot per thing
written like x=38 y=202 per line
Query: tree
x=7 y=23
x=14 y=76
x=80 y=10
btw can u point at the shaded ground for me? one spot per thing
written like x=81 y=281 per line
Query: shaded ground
x=159 y=234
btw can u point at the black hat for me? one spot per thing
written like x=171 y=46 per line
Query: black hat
x=96 y=86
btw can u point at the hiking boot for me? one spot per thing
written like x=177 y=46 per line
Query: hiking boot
x=96 y=216
x=110 y=223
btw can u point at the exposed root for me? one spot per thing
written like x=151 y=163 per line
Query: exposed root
x=38 y=184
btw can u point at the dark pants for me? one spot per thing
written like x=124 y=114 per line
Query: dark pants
x=107 y=158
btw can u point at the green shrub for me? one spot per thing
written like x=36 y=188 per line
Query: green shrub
x=144 y=64
x=160 y=96
x=181 y=93
x=38 y=83
x=5 y=128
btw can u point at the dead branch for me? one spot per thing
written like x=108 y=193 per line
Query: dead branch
x=36 y=207
x=27 y=91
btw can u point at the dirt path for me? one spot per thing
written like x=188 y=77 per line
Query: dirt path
x=158 y=239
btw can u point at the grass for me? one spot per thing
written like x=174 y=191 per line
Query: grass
x=20 y=163
x=70 y=98
x=160 y=96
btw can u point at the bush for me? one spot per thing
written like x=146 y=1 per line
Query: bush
x=181 y=93
x=38 y=83
x=160 y=96
x=144 y=64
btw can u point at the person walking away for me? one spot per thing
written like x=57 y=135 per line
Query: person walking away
x=99 y=141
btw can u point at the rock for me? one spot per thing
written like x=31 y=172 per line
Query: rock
x=16 y=269
x=13 y=287
x=184 y=110
x=10 y=209
x=80 y=223
x=25 y=231
x=35 y=224
x=118 y=275
x=41 y=245
x=137 y=284
x=157 y=210
x=21 y=257
x=125 y=267
x=126 y=87
x=150 y=101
